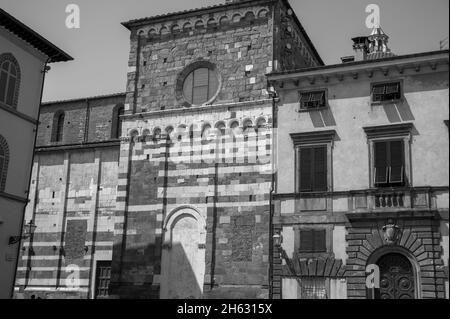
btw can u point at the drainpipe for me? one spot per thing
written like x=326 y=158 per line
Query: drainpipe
x=272 y=191
x=86 y=124
x=44 y=71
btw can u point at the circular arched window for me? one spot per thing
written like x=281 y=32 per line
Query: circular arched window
x=198 y=84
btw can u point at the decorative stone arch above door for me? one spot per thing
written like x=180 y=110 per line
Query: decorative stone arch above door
x=172 y=218
x=395 y=254
x=183 y=256
x=414 y=238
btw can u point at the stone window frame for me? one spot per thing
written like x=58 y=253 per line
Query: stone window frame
x=311 y=139
x=392 y=132
x=328 y=240
x=12 y=59
x=327 y=284
x=315 y=90
x=373 y=84
x=186 y=71
x=4 y=169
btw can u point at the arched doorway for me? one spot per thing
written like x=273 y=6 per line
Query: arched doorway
x=397 y=278
x=183 y=257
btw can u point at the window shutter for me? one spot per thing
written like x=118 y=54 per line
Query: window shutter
x=320 y=244
x=11 y=90
x=306 y=240
x=397 y=167
x=320 y=169
x=188 y=86
x=378 y=92
x=3 y=80
x=393 y=88
x=1 y=166
x=381 y=165
x=305 y=169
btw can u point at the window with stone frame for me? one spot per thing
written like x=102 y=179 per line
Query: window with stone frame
x=313 y=241
x=312 y=100
x=313 y=160
x=389 y=155
x=9 y=80
x=389 y=160
x=313 y=168
x=386 y=92
x=102 y=279
x=313 y=288
x=200 y=86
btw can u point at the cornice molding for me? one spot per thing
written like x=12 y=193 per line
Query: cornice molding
x=403 y=129
x=313 y=137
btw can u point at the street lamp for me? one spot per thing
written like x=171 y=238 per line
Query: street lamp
x=277 y=239
x=28 y=230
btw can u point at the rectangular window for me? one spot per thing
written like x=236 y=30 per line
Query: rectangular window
x=312 y=100
x=313 y=288
x=313 y=241
x=102 y=279
x=386 y=92
x=389 y=165
x=313 y=169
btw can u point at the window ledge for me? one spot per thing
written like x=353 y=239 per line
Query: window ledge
x=300 y=110
x=374 y=103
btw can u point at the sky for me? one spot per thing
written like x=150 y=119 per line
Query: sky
x=100 y=46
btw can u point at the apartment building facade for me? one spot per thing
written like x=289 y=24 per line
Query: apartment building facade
x=24 y=58
x=362 y=176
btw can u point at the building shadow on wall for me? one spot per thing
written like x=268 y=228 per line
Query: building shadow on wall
x=139 y=273
x=398 y=112
x=322 y=118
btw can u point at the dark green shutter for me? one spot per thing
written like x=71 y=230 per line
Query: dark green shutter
x=306 y=240
x=320 y=244
x=396 y=159
x=320 y=169
x=3 y=80
x=306 y=169
x=381 y=162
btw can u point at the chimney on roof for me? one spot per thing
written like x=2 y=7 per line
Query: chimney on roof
x=361 y=48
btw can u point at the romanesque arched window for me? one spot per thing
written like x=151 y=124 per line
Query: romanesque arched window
x=9 y=80
x=58 y=126
x=4 y=159
x=116 y=127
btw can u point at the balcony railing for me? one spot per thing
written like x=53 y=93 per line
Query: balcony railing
x=390 y=200
x=378 y=200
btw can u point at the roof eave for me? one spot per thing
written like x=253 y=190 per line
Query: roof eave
x=22 y=31
x=131 y=24
x=357 y=64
